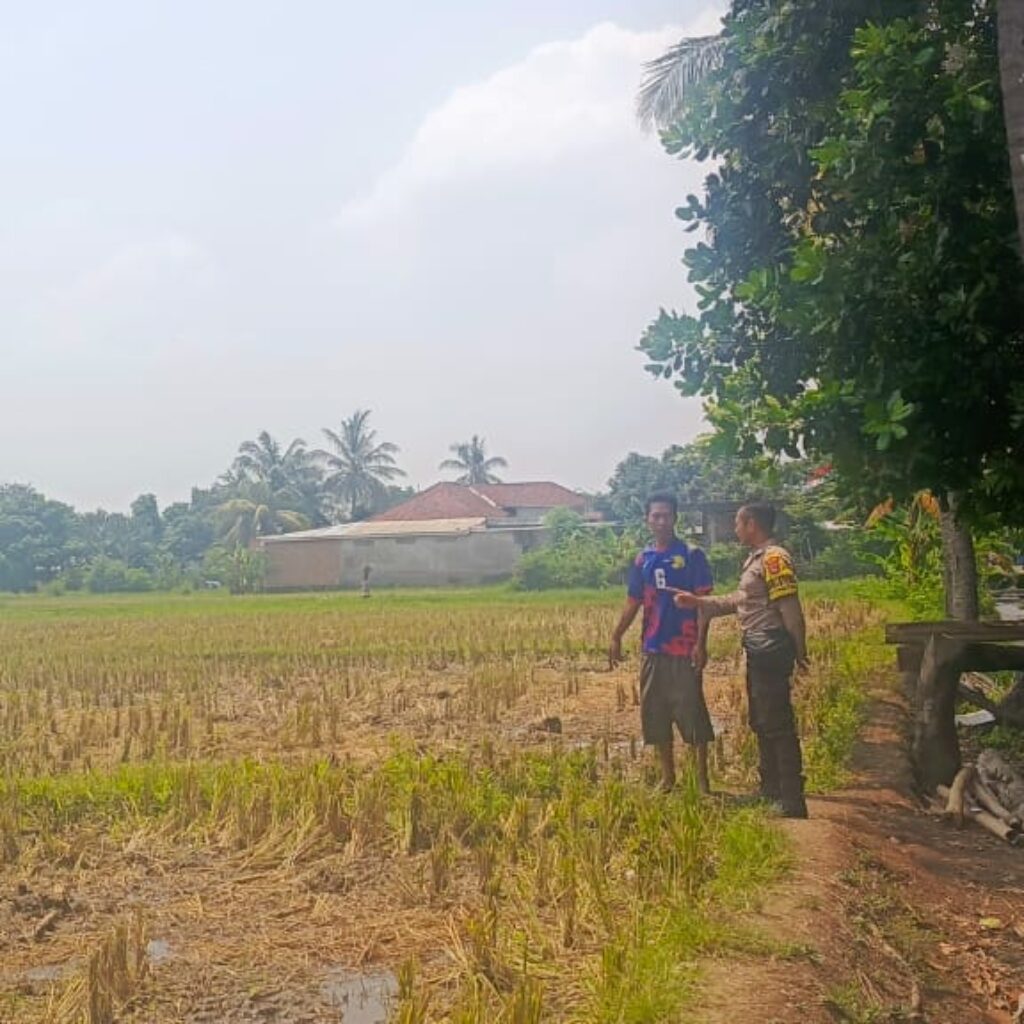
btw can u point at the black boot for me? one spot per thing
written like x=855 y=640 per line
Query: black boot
x=789 y=763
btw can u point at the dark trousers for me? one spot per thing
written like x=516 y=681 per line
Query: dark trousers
x=774 y=724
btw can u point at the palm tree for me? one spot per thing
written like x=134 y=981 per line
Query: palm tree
x=257 y=511
x=290 y=474
x=359 y=467
x=472 y=462
x=1010 y=20
x=263 y=461
x=666 y=78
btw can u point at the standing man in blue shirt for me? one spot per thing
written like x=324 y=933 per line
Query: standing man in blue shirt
x=674 y=641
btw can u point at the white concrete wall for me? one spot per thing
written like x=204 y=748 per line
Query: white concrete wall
x=472 y=558
x=426 y=561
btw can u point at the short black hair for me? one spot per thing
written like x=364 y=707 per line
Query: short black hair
x=762 y=513
x=662 y=498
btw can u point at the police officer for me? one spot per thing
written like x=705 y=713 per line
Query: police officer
x=775 y=641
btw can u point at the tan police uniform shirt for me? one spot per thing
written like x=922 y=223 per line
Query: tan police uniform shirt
x=767 y=577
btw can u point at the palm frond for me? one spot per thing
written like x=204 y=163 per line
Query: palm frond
x=668 y=77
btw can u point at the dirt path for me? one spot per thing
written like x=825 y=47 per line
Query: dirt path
x=889 y=914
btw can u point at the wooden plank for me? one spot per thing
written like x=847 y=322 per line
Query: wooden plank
x=919 y=633
x=908 y=657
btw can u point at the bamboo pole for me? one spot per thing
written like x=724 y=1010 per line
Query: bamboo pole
x=987 y=821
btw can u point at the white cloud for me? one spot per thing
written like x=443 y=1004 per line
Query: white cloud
x=563 y=98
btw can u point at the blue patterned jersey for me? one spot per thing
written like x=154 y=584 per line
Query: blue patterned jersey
x=666 y=628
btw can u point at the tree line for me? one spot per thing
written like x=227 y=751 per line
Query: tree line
x=269 y=488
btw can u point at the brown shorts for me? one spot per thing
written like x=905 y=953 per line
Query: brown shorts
x=671 y=691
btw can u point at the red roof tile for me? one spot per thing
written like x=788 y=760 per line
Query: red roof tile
x=442 y=501
x=459 y=501
x=538 y=494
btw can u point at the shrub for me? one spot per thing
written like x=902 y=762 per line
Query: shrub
x=110 y=576
x=578 y=556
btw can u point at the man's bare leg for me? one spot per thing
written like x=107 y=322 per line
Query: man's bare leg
x=701 y=757
x=668 y=765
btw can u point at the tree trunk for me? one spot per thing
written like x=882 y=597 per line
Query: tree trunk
x=1011 y=73
x=936 y=746
x=959 y=567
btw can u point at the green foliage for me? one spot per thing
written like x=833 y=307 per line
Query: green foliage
x=239 y=569
x=725 y=560
x=846 y=554
x=694 y=472
x=577 y=556
x=860 y=294
x=110 y=576
x=37 y=538
x=911 y=561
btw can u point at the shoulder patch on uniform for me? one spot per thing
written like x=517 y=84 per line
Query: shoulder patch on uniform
x=779 y=577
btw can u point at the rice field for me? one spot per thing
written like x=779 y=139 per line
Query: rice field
x=421 y=807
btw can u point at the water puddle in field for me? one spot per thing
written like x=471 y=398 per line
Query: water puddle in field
x=50 y=972
x=363 y=998
x=158 y=950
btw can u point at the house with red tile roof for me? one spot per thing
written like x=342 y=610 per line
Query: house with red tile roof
x=448 y=534
x=524 y=502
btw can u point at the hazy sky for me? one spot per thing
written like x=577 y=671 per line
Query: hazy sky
x=226 y=217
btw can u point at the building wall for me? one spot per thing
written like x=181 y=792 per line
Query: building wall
x=472 y=558
x=303 y=564
x=426 y=561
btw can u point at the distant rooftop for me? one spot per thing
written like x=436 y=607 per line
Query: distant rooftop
x=370 y=528
x=492 y=501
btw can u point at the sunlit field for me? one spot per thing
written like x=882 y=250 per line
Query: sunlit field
x=418 y=807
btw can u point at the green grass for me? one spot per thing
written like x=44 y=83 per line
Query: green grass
x=220 y=602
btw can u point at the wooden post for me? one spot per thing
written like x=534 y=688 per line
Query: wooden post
x=936 y=746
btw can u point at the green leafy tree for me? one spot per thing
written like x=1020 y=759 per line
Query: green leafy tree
x=473 y=463
x=107 y=534
x=860 y=292
x=359 y=467
x=37 y=538
x=693 y=473
x=239 y=569
x=189 y=529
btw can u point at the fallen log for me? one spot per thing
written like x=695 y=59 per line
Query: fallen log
x=990 y=802
x=990 y=822
x=956 y=795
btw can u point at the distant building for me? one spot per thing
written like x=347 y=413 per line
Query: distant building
x=448 y=534
x=714 y=522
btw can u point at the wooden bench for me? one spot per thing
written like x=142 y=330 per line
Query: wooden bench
x=933 y=656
